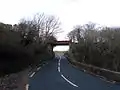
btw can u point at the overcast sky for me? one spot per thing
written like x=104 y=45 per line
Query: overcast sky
x=70 y=12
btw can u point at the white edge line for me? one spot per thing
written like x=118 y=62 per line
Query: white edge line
x=32 y=74
x=38 y=68
x=27 y=87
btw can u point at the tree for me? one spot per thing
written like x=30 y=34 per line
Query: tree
x=46 y=25
x=31 y=33
x=96 y=46
x=83 y=32
x=4 y=26
x=41 y=26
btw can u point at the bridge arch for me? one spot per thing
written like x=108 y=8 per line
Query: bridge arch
x=58 y=43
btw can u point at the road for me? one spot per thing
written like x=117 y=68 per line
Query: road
x=60 y=75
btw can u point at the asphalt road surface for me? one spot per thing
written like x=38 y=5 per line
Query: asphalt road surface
x=58 y=74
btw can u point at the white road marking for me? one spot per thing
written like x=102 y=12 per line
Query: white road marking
x=64 y=76
x=38 y=68
x=69 y=81
x=58 y=69
x=59 y=59
x=27 y=87
x=58 y=64
x=84 y=70
x=32 y=74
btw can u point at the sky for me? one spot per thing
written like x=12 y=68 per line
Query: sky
x=70 y=12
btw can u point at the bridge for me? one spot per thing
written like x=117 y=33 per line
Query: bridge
x=62 y=43
x=51 y=45
x=66 y=42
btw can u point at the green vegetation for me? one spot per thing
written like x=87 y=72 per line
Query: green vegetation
x=98 y=46
x=27 y=43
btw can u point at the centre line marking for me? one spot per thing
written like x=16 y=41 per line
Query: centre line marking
x=64 y=76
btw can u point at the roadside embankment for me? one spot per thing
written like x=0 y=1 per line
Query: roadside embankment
x=105 y=74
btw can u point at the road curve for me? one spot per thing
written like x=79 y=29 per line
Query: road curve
x=60 y=75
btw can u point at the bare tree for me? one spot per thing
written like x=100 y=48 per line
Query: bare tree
x=41 y=26
x=102 y=42
x=52 y=26
x=71 y=36
x=46 y=25
x=83 y=32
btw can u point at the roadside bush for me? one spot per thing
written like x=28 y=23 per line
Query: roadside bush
x=99 y=47
x=15 y=57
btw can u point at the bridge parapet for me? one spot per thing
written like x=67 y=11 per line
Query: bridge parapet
x=62 y=43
